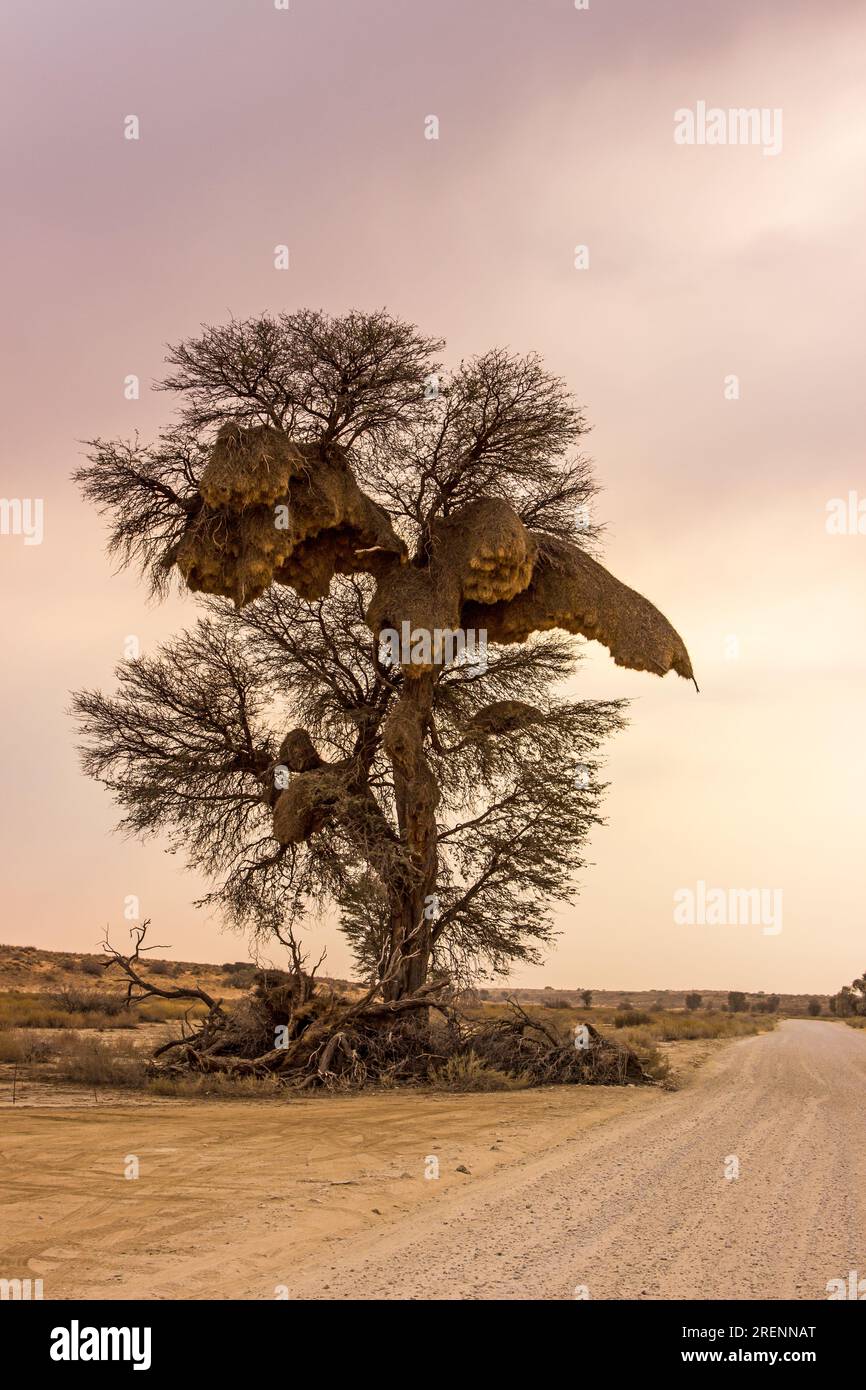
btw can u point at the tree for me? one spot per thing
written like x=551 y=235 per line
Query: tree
x=814 y=1007
x=694 y=1001
x=369 y=712
x=736 y=1001
x=850 y=1000
x=586 y=996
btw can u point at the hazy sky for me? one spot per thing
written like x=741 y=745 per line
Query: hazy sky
x=306 y=127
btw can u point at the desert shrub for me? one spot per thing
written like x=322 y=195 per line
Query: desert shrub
x=21 y=1046
x=217 y=1085
x=159 y=967
x=157 y=1010
x=42 y=1011
x=241 y=975
x=92 y=1062
x=92 y=967
x=631 y=1018
x=469 y=1073
x=556 y=1003
x=814 y=1007
x=79 y=1001
x=654 y=1062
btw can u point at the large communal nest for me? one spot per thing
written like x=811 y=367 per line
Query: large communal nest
x=249 y=466
x=488 y=574
x=482 y=553
x=273 y=511
x=571 y=590
x=276 y=511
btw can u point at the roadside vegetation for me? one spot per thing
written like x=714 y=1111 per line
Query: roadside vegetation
x=64 y=1022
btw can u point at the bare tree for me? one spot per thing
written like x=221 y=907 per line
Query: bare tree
x=329 y=489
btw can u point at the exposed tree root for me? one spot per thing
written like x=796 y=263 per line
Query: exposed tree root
x=299 y=1029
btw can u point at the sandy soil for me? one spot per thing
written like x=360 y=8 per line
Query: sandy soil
x=618 y=1190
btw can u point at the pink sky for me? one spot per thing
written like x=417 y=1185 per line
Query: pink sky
x=306 y=127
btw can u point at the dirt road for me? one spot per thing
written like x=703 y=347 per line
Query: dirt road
x=618 y=1192
x=641 y=1206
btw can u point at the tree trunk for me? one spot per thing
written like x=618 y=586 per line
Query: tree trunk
x=417 y=797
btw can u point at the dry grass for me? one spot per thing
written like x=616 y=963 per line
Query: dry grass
x=23 y=1048
x=469 y=1073
x=93 y=1062
x=82 y=1009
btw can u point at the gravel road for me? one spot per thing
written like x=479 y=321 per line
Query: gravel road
x=641 y=1207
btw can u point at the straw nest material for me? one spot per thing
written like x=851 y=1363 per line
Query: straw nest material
x=572 y=591
x=503 y=717
x=298 y=752
x=312 y=529
x=488 y=548
x=249 y=466
x=308 y=803
x=483 y=552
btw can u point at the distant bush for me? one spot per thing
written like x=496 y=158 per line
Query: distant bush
x=241 y=975
x=81 y=1001
x=694 y=1001
x=21 y=1046
x=631 y=1018
x=92 y=1062
x=159 y=967
x=91 y=967
x=814 y=1007
x=43 y=1011
x=557 y=1003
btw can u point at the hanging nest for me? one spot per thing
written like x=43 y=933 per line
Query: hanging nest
x=487 y=548
x=294 y=513
x=276 y=511
x=572 y=591
x=503 y=717
x=249 y=466
x=311 y=799
x=482 y=552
